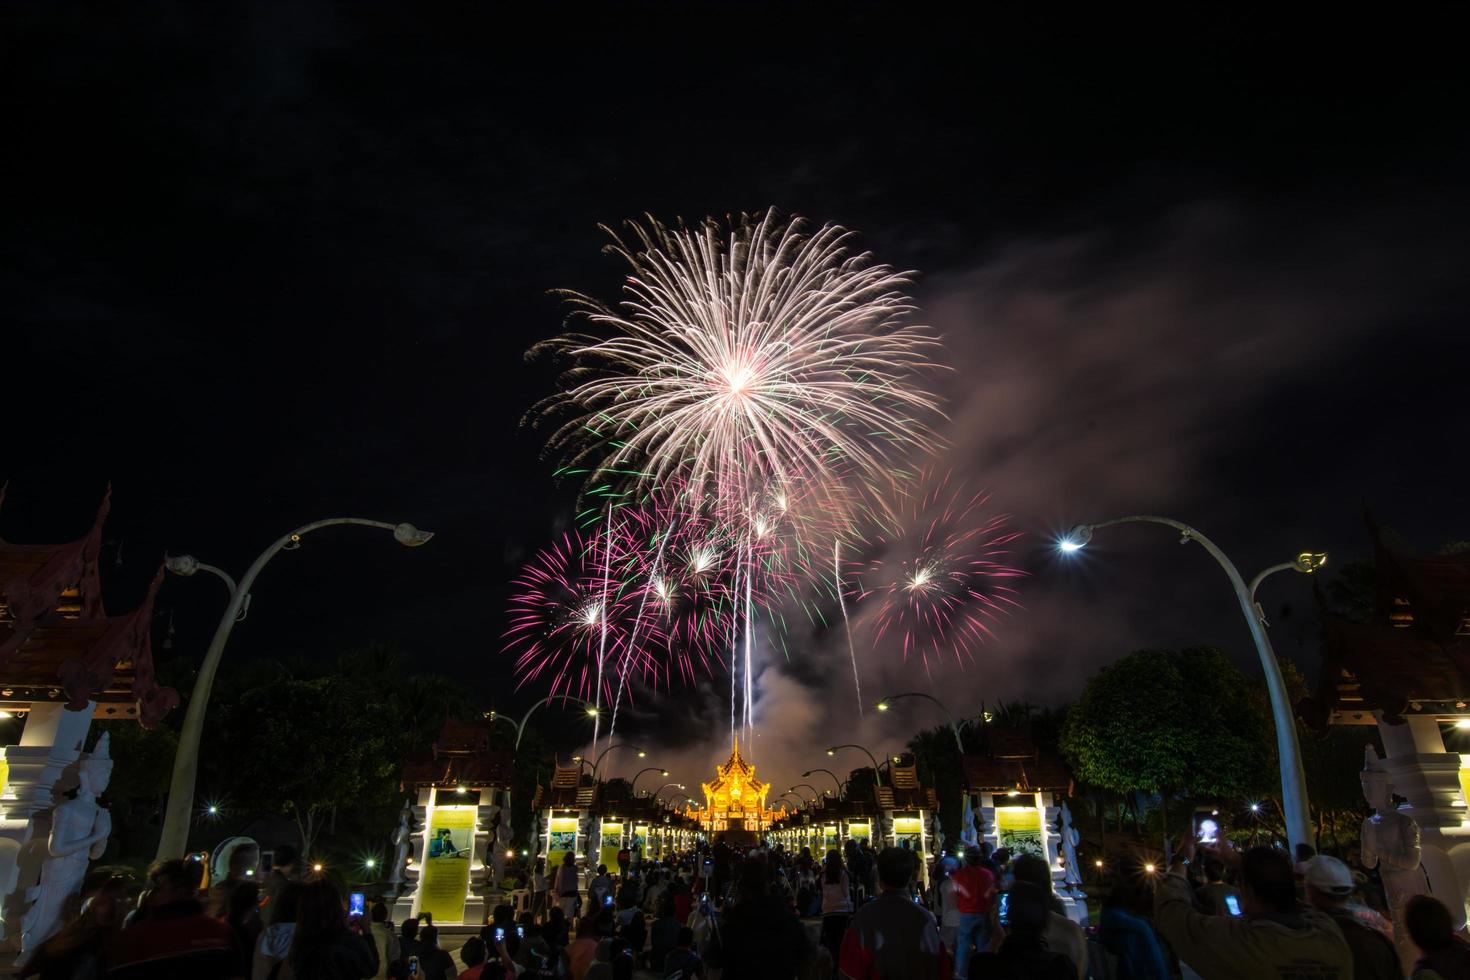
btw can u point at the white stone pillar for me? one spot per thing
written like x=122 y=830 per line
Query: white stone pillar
x=1428 y=776
x=42 y=767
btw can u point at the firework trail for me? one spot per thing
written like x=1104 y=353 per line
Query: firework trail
x=857 y=683
x=651 y=587
x=939 y=573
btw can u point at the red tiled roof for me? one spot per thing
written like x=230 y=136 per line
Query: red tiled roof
x=993 y=772
x=491 y=770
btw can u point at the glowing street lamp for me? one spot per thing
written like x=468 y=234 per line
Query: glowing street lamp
x=633 y=785
x=1293 y=778
x=883 y=704
x=616 y=745
x=175 y=835
x=877 y=773
x=520 y=726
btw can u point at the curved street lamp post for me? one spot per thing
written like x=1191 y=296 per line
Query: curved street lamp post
x=520 y=726
x=633 y=786
x=883 y=704
x=175 y=835
x=831 y=775
x=616 y=745
x=1293 y=778
x=877 y=773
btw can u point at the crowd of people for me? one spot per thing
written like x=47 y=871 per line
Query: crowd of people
x=714 y=911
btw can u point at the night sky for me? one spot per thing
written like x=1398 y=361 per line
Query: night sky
x=261 y=265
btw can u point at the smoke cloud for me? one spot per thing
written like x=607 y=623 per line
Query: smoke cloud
x=1181 y=369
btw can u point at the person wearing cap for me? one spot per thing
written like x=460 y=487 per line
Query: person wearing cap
x=1330 y=888
x=1276 y=938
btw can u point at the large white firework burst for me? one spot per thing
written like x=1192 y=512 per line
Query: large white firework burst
x=740 y=358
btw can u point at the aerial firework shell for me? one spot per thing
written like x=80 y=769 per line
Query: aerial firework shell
x=740 y=358
x=938 y=572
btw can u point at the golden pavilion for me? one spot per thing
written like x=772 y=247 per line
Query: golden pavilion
x=736 y=800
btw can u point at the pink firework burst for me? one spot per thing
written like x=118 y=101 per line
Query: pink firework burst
x=571 y=611
x=681 y=565
x=939 y=572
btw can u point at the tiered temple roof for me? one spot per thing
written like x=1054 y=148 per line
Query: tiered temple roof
x=735 y=799
x=58 y=644
x=902 y=791
x=461 y=756
x=1013 y=762
x=1413 y=653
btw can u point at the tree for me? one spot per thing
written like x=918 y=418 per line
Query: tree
x=938 y=760
x=1173 y=723
x=305 y=747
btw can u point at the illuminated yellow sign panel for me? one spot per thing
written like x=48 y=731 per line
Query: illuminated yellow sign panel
x=612 y=842
x=446 y=876
x=563 y=841
x=1019 y=830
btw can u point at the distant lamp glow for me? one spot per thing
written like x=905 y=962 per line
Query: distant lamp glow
x=461 y=790
x=213 y=810
x=1463 y=724
x=1075 y=539
x=665 y=772
x=642 y=754
x=831 y=751
x=1255 y=808
x=1149 y=868
x=510 y=854
x=370 y=864
x=7 y=714
x=882 y=705
x=316 y=867
x=591 y=712
x=1098 y=862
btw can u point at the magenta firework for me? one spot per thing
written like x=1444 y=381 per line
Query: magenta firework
x=938 y=572
x=571 y=615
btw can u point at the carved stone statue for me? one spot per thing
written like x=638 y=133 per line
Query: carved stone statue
x=402 y=841
x=1390 y=843
x=1070 y=838
x=497 y=857
x=79 y=832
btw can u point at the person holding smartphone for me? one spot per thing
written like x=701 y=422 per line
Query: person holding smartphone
x=434 y=963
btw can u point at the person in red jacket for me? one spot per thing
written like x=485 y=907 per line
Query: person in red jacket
x=974 y=893
x=171 y=938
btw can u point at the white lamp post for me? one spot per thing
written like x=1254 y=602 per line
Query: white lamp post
x=1293 y=779
x=175 y=836
x=883 y=704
